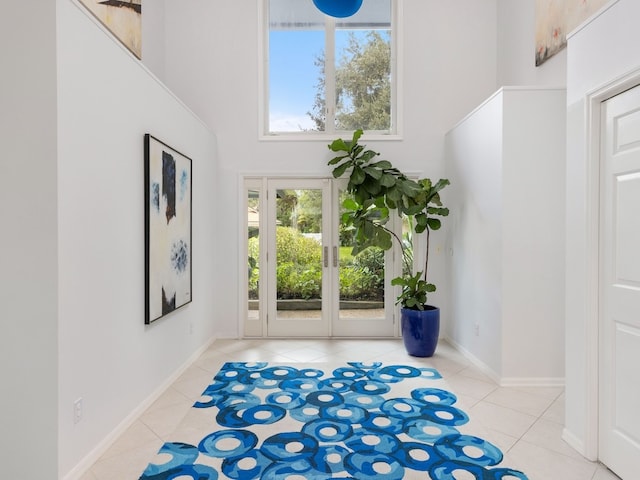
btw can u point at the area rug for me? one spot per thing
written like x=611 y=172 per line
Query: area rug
x=358 y=421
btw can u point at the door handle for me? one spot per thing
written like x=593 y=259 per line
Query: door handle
x=326 y=257
x=335 y=256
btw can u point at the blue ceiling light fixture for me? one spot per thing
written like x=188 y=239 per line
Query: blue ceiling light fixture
x=338 y=8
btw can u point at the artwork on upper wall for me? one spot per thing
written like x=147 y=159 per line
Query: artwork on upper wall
x=123 y=18
x=167 y=192
x=556 y=18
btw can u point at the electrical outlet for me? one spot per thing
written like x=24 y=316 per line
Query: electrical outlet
x=476 y=329
x=77 y=410
x=190 y=328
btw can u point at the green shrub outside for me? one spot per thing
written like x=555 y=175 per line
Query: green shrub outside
x=368 y=266
x=299 y=271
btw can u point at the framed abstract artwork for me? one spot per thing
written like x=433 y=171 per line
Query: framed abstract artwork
x=123 y=18
x=555 y=19
x=167 y=192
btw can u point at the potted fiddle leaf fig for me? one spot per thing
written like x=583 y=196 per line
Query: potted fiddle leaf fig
x=376 y=188
x=420 y=322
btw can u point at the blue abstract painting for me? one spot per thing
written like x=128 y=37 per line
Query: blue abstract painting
x=168 y=229
x=357 y=421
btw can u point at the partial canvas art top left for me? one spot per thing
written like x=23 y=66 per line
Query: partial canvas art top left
x=123 y=18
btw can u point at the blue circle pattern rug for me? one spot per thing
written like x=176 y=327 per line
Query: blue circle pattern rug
x=357 y=421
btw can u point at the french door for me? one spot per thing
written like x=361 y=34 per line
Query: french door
x=306 y=283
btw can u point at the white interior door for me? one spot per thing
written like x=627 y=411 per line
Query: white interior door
x=619 y=381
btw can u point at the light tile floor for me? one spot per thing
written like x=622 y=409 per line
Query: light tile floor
x=525 y=423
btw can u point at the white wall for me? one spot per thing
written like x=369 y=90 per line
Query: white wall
x=516 y=49
x=600 y=52
x=28 y=242
x=506 y=164
x=533 y=235
x=107 y=101
x=212 y=64
x=153 y=37
x=474 y=166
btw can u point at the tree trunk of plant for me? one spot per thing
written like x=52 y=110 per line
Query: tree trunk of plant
x=426 y=257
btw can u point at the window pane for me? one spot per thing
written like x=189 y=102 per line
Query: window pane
x=299 y=253
x=293 y=75
x=358 y=69
x=253 y=265
x=363 y=68
x=361 y=277
x=363 y=79
x=296 y=42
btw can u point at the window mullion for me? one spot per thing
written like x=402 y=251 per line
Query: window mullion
x=330 y=75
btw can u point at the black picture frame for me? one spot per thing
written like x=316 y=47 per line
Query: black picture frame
x=168 y=229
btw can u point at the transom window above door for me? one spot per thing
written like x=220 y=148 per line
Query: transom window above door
x=329 y=75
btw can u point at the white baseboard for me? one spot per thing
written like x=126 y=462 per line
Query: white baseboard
x=575 y=443
x=83 y=466
x=507 y=381
x=484 y=368
x=532 y=382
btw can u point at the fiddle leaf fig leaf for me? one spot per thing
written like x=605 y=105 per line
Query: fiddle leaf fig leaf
x=411 y=302
x=382 y=164
x=337 y=159
x=350 y=204
x=393 y=193
x=425 y=183
x=434 y=223
x=339 y=171
x=443 y=182
x=435 y=199
x=381 y=204
x=383 y=240
x=387 y=180
x=347 y=220
x=413 y=210
x=355 y=151
x=372 y=186
x=367 y=155
x=438 y=211
x=357 y=176
x=339 y=145
x=373 y=172
x=409 y=188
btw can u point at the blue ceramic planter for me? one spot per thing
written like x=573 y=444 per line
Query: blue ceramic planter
x=420 y=330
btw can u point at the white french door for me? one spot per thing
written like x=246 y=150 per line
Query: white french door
x=300 y=257
x=619 y=415
x=307 y=283
x=366 y=308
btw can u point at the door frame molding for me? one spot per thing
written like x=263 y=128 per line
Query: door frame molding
x=593 y=117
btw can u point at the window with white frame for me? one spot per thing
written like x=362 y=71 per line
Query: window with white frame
x=325 y=74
